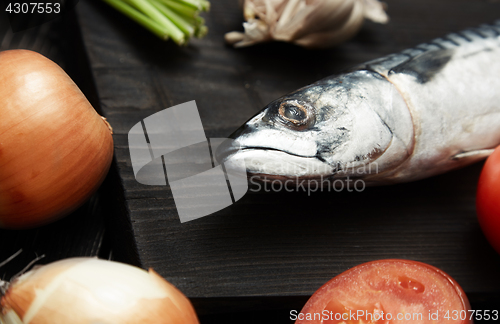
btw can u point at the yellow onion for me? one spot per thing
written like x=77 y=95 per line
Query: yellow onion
x=307 y=23
x=55 y=150
x=93 y=291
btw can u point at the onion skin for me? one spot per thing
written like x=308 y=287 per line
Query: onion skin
x=55 y=150
x=89 y=290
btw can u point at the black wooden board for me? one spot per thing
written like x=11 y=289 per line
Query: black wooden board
x=274 y=249
x=279 y=244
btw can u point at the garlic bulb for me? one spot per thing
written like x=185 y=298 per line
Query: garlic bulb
x=93 y=291
x=308 y=23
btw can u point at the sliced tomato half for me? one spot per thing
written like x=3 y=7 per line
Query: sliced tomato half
x=388 y=291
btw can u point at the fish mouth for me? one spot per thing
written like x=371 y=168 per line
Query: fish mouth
x=224 y=153
x=269 y=164
x=232 y=146
x=264 y=148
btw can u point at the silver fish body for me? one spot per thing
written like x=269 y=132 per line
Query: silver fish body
x=407 y=116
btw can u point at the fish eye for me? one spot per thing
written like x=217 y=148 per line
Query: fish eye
x=294 y=114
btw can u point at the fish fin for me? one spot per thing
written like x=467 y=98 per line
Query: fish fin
x=424 y=66
x=474 y=155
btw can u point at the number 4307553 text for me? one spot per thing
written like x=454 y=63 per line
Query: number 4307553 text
x=33 y=7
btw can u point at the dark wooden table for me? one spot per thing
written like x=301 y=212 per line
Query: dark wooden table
x=269 y=250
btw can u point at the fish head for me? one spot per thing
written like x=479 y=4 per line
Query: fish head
x=331 y=129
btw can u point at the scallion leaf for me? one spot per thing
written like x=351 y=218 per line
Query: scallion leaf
x=175 y=19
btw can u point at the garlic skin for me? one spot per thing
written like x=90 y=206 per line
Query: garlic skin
x=307 y=23
x=93 y=291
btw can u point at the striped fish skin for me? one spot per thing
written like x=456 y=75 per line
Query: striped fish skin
x=404 y=117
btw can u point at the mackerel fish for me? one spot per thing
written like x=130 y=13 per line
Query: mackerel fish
x=404 y=117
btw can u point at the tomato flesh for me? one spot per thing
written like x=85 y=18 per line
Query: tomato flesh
x=387 y=291
x=488 y=199
x=352 y=314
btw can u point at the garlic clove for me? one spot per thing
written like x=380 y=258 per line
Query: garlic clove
x=375 y=11
x=293 y=21
x=256 y=31
x=322 y=17
x=234 y=37
x=308 y=23
x=336 y=36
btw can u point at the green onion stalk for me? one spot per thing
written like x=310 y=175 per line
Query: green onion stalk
x=178 y=20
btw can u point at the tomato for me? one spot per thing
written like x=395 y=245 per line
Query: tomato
x=388 y=291
x=488 y=199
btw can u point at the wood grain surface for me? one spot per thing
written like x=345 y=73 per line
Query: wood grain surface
x=269 y=250
x=278 y=244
